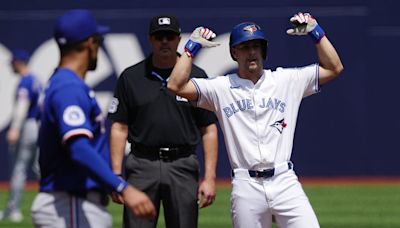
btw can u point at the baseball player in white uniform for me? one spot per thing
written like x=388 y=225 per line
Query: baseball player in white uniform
x=257 y=110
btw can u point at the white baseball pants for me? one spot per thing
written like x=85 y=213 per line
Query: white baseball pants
x=255 y=200
x=61 y=210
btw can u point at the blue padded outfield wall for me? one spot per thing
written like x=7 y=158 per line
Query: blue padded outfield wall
x=352 y=128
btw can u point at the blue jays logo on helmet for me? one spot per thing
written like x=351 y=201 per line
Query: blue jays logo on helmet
x=247 y=31
x=251 y=28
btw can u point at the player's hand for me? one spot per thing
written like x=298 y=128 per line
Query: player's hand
x=303 y=23
x=138 y=202
x=13 y=136
x=204 y=36
x=206 y=193
x=117 y=198
x=200 y=37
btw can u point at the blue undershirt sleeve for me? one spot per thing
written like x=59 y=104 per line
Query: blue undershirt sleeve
x=84 y=154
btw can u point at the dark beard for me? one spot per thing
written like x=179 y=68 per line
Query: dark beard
x=92 y=64
x=92 y=61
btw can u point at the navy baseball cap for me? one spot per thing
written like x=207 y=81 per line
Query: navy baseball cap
x=76 y=26
x=164 y=23
x=19 y=55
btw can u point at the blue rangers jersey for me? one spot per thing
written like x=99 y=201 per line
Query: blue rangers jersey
x=29 y=88
x=69 y=110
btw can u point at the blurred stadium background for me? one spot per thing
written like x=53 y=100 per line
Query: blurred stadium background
x=351 y=129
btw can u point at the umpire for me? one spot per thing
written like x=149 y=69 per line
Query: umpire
x=164 y=131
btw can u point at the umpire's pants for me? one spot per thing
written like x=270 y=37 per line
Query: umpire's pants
x=172 y=183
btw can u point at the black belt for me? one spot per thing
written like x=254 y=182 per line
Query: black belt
x=266 y=173
x=162 y=153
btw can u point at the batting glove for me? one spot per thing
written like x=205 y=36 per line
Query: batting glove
x=303 y=24
x=201 y=37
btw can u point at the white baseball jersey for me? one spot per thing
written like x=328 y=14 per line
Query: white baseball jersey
x=258 y=120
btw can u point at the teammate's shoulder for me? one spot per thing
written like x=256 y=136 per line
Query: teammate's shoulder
x=65 y=77
x=33 y=79
x=65 y=81
x=25 y=80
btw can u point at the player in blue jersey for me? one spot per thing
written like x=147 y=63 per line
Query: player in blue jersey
x=74 y=150
x=22 y=134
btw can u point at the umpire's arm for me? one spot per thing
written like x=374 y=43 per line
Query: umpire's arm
x=119 y=134
x=207 y=188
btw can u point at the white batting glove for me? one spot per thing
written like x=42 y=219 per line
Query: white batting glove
x=305 y=24
x=200 y=37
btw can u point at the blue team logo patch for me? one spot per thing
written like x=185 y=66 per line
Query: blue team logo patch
x=74 y=116
x=279 y=125
x=251 y=28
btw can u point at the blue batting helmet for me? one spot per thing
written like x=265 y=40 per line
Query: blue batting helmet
x=246 y=31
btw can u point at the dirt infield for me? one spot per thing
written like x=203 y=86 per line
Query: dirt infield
x=306 y=181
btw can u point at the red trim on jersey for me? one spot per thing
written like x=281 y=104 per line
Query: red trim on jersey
x=75 y=132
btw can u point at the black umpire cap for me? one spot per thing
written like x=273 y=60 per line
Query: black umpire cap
x=164 y=23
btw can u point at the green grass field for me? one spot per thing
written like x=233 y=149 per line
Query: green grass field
x=358 y=206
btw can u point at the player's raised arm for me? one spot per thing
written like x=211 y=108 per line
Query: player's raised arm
x=330 y=64
x=178 y=82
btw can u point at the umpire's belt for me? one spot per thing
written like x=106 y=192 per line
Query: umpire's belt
x=162 y=153
x=266 y=173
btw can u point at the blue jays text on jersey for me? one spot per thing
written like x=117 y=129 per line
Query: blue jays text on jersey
x=247 y=104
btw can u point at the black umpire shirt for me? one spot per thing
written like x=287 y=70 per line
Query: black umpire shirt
x=155 y=117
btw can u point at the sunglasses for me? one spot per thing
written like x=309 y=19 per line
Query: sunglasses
x=167 y=35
